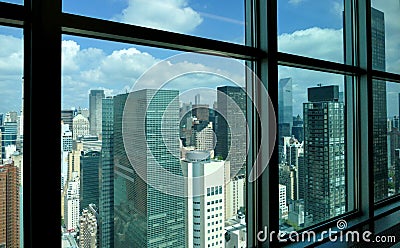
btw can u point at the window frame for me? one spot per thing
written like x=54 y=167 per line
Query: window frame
x=44 y=23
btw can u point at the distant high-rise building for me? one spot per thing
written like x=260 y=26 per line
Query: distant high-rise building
x=205 y=201
x=285 y=107
x=80 y=126
x=66 y=147
x=379 y=110
x=95 y=101
x=88 y=227
x=197 y=99
x=9 y=205
x=324 y=153
x=2 y=118
x=106 y=202
x=67 y=116
x=145 y=216
x=89 y=178
x=9 y=138
x=201 y=112
x=204 y=136
x=283 y=208
x=71 y=205
x=235 y=199
x=397 y=172
x=231 y=130
x=298 y=128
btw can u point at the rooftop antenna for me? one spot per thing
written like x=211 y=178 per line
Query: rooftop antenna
x=320 y=85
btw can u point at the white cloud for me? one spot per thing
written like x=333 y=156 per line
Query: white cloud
x=337 y=8
x=296 y=2
x=314 y=42
x=11 y=73
x=170 y=15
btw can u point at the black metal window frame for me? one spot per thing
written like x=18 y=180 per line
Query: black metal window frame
x=43 y=24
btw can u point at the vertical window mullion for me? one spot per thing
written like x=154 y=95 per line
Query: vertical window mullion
x=42 y=74
x=364 y=60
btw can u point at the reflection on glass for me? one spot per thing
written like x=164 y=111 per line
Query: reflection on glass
x=11 y=138
x=156 y=158
x=220 y=20
x=387 y=142
x=385 y=35
x=311 y=28
x=312 y=143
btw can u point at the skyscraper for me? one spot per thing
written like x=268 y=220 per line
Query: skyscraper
x=285 y=107
x=144 y=215
x=9 y=205
x=231 y=129
x=89 y=178
x=324 y=148
x=80 y=126
x=205 y=201
x=95 y=101
x=106 y=176
x=380 y=151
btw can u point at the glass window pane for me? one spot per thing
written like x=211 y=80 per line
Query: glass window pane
x=386 y=142
x=220 y=20
x=312 y=148
x=385 y=35
x=158 y=142
x=311 y=28
x=11 y=137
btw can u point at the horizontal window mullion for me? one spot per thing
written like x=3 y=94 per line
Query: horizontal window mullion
x=11 y=15
x=120 y=32
x=387 y=76
x=302 y=62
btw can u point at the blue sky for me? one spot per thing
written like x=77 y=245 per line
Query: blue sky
x=306 y=27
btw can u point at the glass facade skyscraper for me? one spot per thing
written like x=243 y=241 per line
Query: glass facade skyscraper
x=231 y=127
x=106 y=176
x=324 y=154
x=95 y=101
x=379 y=114
x=89 y=178
x=145 y=148
x=285 y=107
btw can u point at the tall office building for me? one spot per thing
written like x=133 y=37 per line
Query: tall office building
x=231 y=128
x=144 y=215
x=66 y=147
x=285 y=107
x=9 y=137
x=89 y=178
x=71 y=205
x=235 y=199
x=397 y=172
x=9 y=205
x=379 y=130
x=106 y=184
x=204 y=137
x=80 y=126
x=197 y=99
x=205 y=201
x=283 y=208
x=324 y=148
x=95 y=101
